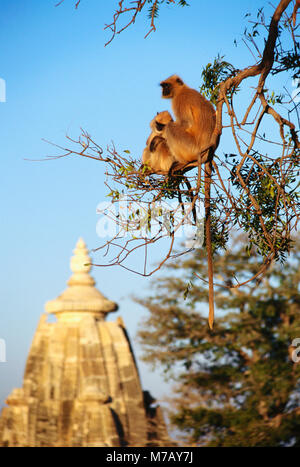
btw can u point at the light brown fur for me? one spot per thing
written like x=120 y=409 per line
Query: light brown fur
x=187 y=138
x=157 y=154
x=195 y=120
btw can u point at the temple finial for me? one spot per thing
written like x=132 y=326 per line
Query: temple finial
x=81 y=297
x=81 y=261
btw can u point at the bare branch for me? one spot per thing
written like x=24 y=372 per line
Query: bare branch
x=256 y=192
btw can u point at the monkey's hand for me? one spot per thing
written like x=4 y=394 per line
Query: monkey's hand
x=155 y=143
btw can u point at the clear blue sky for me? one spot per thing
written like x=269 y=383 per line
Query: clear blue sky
x=59 y=78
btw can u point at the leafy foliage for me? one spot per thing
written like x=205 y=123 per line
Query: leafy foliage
x=237 y=385
x=254 y=189
x=153 y=10
x=213 y=74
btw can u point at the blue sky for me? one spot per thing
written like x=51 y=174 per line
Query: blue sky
x=60 y=77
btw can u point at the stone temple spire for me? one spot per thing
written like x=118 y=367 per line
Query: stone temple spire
x=81 y=386
x=81 y=296
x=80 y=263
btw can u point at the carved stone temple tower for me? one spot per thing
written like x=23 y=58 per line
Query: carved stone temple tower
x=81 y=385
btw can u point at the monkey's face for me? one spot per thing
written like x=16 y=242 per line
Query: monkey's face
x=159 y=127
x=166 y=90
x=170 y=85
x=160 y=121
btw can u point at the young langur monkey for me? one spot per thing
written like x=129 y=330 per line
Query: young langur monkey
x=187 y=138
x=195 y=121
x=157 y=154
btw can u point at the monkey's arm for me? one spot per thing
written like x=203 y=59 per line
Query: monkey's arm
x=150 y=137
x=155 y=143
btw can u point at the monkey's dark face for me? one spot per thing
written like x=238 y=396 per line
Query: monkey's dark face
x=159 y=126
x=170 y=86
x=167 y=90
x=159 y=122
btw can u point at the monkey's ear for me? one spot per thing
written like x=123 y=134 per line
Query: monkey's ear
x=157 y=113
x=179 y=81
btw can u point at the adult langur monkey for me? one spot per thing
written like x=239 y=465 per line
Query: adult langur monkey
x=188 y=138
x=195 y=121
x=157 y=154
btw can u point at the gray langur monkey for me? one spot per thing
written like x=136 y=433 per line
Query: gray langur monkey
x=195 y=121
x=189 y=139
x=157 y=155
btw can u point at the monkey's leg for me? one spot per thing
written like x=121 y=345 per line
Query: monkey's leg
x=174 y=168
x=181 y=143
x=207 y=184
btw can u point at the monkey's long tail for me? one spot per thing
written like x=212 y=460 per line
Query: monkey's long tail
x=207 y=184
